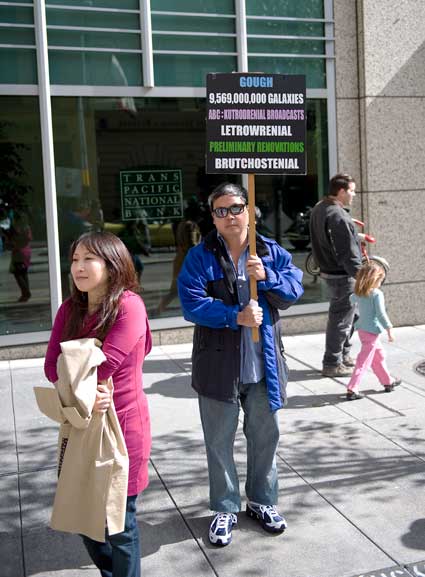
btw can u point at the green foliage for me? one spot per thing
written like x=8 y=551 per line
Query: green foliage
x=13 y=190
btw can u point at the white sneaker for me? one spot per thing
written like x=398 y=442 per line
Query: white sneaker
x=267 y=515
x=221 y=529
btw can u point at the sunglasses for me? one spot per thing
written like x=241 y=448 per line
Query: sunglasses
x=223 y=211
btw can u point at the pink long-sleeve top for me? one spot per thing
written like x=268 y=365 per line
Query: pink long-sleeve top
x=125 y=347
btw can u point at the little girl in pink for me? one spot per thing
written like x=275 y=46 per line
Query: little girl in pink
x=373 y=320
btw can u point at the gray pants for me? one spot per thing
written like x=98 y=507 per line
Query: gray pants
x=261 y=429
x=340 y=327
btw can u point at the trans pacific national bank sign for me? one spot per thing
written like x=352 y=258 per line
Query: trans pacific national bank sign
x=151 y=194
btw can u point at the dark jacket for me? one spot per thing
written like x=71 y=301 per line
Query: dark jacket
x=208 y=294
x=334 y=240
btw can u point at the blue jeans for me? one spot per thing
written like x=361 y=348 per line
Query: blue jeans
x=119 y=556
x=219 y=423
x=339 y=329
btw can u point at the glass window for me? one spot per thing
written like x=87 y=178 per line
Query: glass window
x=136 y=167
x=187 y=23
x=19 y=36
x=18 y=15
x=285 y=201
x=18 y=62
x=18 y=66
x=118 y=62
x=201 y=34
x=211 y=6
x=92 y=39
x=313 y=69
x=102 y=69
x=114 y=4
x=280 y=46
x=195 y=43
x=288 y=8
x=189 y=70
x=98 y=19
x=281 y=27
x=285 y=28
x=24 y=270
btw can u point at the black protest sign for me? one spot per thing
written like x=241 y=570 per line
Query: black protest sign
x=256 y=123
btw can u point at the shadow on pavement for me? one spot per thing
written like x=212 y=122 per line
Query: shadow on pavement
x=309 y=401
x=152 y=366
x=414 y=538
x=48 y=551
x=178 y=387
x=312 y=401
x=300 y=375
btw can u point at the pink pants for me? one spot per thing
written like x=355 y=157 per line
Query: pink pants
x=371 y=354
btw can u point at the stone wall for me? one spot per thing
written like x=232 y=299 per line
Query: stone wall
x=380 y=85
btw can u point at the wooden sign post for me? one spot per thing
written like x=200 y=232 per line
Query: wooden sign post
x=252 y=244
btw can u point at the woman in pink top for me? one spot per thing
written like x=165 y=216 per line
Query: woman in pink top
x=103 y=305
x=18 y=239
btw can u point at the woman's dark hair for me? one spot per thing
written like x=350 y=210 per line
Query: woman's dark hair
x=122 y=276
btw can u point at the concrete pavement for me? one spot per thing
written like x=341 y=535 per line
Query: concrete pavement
x=352 y=476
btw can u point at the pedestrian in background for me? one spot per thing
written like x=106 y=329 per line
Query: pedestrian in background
x=104 y=304
x=18 y=241
x=229 y=370
x=336 y=250
x=134 y=237
x=187 y=235
x=373 y=320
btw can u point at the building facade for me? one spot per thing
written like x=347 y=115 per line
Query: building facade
x=94 y=93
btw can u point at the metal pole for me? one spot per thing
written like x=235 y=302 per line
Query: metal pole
x=48 y=155
x=241 y=36
x=331 y=87
x=148 y=71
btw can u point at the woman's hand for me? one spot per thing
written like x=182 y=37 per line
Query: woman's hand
x=103 y=398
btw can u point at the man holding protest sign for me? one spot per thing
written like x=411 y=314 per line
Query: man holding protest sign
x=229 y=369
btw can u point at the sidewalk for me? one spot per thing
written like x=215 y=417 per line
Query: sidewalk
x=352 y=476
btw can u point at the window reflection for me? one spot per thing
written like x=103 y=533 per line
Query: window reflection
x=135 y=167
x=24 y=280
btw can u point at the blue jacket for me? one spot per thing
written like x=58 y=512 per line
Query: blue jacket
x=209 y=299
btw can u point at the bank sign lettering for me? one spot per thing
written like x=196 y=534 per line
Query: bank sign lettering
x=151 y=194
x=256 y=123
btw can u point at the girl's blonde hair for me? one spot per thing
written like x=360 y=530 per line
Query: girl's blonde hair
x=368 y=278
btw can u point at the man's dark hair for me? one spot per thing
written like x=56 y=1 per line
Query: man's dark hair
x=227 y=189
x=339 y=181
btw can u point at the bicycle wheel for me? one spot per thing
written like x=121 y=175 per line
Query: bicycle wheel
x=311 y=266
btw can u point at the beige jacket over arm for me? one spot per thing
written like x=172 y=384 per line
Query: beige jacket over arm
x=93 y=473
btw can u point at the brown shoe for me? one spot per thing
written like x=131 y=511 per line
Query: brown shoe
x=349 y=361
x=338 y=371
x=353 y=396
x=390 y=387
x=24 y=298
